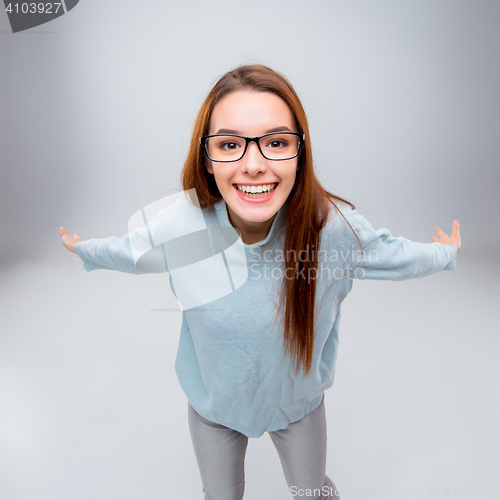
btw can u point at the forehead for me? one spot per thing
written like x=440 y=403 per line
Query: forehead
x=251 y=112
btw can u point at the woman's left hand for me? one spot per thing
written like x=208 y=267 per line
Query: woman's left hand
x=454 y=239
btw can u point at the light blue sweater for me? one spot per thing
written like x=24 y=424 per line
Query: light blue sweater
x=230 y=361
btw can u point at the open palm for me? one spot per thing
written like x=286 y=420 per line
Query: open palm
x=454 y=239
x=68 y=241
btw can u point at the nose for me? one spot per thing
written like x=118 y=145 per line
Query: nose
x=253 y=162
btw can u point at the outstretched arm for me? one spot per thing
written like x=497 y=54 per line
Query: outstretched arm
x=113 y=253
x=386 y=257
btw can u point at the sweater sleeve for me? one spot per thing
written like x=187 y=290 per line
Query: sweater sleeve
x=139 y=251
x=386 y=257
x=115 y=253
x=155 y=236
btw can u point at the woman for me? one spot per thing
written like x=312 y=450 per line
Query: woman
x=259 y=358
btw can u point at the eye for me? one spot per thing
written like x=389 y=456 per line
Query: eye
x=229 y=145
x=277 y=143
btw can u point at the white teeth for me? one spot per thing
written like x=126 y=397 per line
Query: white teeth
x=256 y=189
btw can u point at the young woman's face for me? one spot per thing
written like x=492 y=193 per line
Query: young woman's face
x=252 y=114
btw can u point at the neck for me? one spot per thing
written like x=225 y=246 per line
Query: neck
x=251 y=232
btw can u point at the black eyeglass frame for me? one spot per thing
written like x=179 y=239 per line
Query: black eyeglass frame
x=248 y=140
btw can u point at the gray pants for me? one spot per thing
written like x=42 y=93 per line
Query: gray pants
x=220 y=453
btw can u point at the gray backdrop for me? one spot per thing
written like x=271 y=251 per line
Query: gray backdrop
x=96 y=114
x=402 y=97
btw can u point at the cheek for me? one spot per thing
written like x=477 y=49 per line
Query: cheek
x=221 y=179
x=291 y=176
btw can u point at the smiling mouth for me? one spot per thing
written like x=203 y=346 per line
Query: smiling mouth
x=260 y=191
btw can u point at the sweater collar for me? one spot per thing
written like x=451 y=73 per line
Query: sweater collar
x=277 y=225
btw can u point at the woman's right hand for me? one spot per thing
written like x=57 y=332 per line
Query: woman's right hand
x=68 y=241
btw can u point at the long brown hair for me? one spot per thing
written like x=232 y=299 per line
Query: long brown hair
x=306 y=213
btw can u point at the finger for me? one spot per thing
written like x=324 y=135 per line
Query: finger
x=63 y=233
x=455 y=235
x=440 y=231
x=434 y=239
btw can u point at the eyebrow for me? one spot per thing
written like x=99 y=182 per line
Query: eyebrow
x=275 y=129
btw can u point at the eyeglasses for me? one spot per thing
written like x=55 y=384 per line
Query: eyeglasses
x=274 y=146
